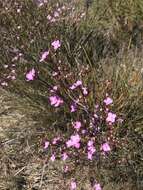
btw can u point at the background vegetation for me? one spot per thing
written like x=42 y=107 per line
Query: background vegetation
x=103 y=39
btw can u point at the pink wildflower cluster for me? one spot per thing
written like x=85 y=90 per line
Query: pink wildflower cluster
x=90 y=126
x=77 y=125
x=56 y=44
x=30 y=75
x=73 y=107
x=74 y=141
x=73 y=185
x=64 y=156
x=46 y=144
x=57 y=14
x=111 y=117
x=79 y=84
x=108 y=101
x=85 y=129
x=97 y=186
x=89 y=122
x=55 y=101
x=105 y=147
x=76 y=84
x=67 y=11
x=91 y=149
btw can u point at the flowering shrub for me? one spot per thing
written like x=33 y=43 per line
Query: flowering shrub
x=90 y=125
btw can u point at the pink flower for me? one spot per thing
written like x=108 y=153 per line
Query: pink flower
x=55 y=140
x=46 y=144
x=90 y=156
x=90 y=143
x=55 y=101
x=52 y=158
x=105 y=147
x=111 y=117
x=83 y=131
x=96 y=106
x=55 y=88
x=66 y=169
x=77 y=125
x=76 y=84
x=73 y=185
x=31 y=75
x=64 y=156
x=59 y=10
x=4 y=83
x=74 y=141
x=13 y=77
x=56 y=44
x=108 y=101
x=56 y=14
x=97 y=186
x=84 y=90
x=73 y=107
x=69 y=143
x=49 y=17
x=91 y=149
x=95 y=116
x=44 y=56
x=54 y=74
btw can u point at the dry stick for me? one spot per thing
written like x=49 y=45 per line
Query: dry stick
x=42 y=176
x=8 y=141
x=19 y=171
